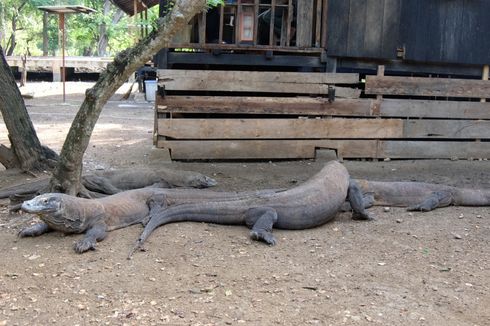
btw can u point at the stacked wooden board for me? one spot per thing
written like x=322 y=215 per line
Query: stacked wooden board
x=287 y=115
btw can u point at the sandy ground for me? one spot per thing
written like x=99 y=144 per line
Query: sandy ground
x=401 y=269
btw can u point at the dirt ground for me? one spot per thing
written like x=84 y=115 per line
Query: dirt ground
x=401 y=269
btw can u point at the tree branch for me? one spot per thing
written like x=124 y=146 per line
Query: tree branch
x=67 y=175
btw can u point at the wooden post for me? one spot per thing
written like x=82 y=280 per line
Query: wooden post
x=202 y=28
x=238 y=23
x=324 y=24
x=272 y=22
x=484 y=77
x=256 y=21
x=290 y=22
x=221 y=23
x=135 y=20
x=63 y=74
x=304 y=23
x=318 y=23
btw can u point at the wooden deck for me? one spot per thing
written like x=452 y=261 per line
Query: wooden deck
x=53 y=64
x=277 y=115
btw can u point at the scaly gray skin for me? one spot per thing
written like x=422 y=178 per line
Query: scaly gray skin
x=96 y=217
x=111 y=182
x=420 y=196
x=308 y=205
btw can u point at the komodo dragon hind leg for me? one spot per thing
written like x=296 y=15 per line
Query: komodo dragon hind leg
x=99 y=184
x=356 y=200
x=367 y=200
x=96 y=233
x=155 y=203
x=435 y=200
x=261 y=220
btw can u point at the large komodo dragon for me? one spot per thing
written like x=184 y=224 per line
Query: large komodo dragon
x=112 y=182
x=95 y=217
x=308 y=205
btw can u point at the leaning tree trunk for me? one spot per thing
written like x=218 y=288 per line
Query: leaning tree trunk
x=67 y=175
x=26 y=151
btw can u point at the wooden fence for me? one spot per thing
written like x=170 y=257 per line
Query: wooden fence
x=288 y=115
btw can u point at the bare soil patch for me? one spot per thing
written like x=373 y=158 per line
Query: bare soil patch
x=402 y=269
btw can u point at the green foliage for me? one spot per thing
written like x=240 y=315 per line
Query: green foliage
x=82 y=30
x=215 y=3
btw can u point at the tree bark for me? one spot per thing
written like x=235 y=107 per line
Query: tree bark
x=26 y=147
x=67 y=174
x=103 y=37
x=13 y=38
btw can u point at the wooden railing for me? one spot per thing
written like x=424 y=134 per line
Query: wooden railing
x=282 y=25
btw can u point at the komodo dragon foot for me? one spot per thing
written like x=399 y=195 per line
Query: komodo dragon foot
x=435 y=200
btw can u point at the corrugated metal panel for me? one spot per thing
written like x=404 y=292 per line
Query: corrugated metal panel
x=128 y=5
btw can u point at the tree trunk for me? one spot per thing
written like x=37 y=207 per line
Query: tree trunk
x=103 y=37
x=67 y=175
x=45 y=34
x=12 y=40
x=26 y=148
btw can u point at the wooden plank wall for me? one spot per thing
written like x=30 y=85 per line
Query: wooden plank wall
x=293 y=117
x=364 y=28
x=430 y=31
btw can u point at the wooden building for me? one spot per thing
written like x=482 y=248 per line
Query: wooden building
x=282 y=79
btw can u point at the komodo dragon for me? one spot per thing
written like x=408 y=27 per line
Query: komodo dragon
x=308 y=205
x=419 y=196
x=95 y=217
x=111 y=182
x=311 y=204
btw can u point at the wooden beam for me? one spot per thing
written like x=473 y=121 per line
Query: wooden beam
x=334 y=128
x=295 y=149
x=321 y=107
x=449 y=129
x=265 y=149
x=262 y=76
x=264 y=105
x=304 y=23
x=420 y=86
x=226 y=150
x=188 y=84
x=433 y=149
x=318 y=23
x=434 y=109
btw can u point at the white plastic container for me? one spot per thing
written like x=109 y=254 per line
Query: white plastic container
x=150 y=90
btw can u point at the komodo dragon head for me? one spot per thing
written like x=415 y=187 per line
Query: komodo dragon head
x=200 y=181
x=43 y=204
x=61 y=212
